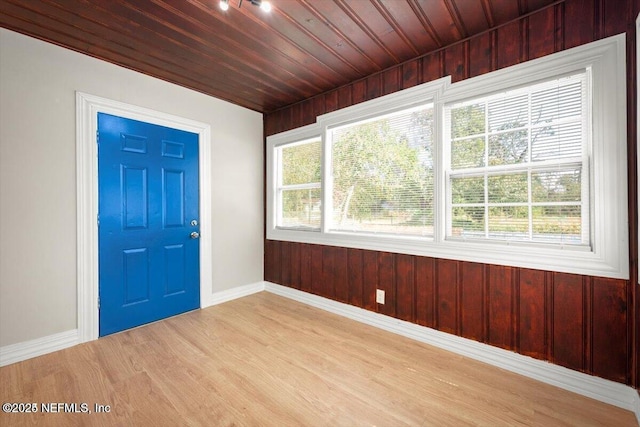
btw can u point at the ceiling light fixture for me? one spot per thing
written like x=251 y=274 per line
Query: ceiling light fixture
x=262 y=4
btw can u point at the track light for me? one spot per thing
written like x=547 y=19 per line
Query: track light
x=262 y=4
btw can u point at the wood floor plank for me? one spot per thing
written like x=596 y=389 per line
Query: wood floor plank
x=264 y=360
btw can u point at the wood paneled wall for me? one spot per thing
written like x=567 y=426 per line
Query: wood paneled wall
x=585 y=323
x=575 y=321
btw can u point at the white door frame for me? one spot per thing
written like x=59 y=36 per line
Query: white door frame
x=87 y=109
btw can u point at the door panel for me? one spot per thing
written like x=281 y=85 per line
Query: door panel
x=134 y=197
x=173 y=203
x=148 y=196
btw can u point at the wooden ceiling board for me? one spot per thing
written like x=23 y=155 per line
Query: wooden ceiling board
x=251 y=56
x=501 y=11
x=375 y=18
x=132 y=53
x=252 y=45
x=471 y=14
x=531 y=5
x=401 y=27
x=455 y=16
x=299 y=43
x=411 y=24
x=352 y=30
x=262 y=61
x=179 y=48
x=301 y=28
x=439 y=15
x=290 y=76
x=335 y=40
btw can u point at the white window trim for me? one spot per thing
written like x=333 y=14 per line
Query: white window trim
x=299 y=135
x=413 y=98
x=279 y=187
x=519 y=168
x=610 y=240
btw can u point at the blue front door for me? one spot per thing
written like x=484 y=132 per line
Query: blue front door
x=148 y=222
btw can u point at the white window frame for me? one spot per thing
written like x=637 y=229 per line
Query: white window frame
x=528 y=167
x=608 y=255
x=280 y=188
x=425 y=95
x=295 y=136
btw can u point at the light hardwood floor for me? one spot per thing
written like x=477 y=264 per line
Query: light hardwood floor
x=264 y=360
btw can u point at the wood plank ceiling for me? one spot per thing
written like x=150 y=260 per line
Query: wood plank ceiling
x=262 y=61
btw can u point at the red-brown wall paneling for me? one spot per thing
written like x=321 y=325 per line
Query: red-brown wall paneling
x=387 y=275
x=569 y=332
x=285 y=259
x=584 y=323
x=501 y=307
x=472 y=301
x=272 y=261
x=370 y=278
x=355 y=277
x=610 y=313
x=405 y=288
x=446 y=294
x=542 y=32
x=305 y=267
x=425 y=292
x=456 y=60
x=410 y=74
x=534 y=317
x=480 y=48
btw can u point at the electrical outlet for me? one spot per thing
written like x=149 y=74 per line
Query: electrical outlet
x=379 y=296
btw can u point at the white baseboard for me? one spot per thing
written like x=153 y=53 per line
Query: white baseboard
x=597 y=388
x=26 y=350
x=231 y=294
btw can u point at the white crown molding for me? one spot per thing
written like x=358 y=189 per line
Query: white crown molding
x=606 y=391
x=26 y=350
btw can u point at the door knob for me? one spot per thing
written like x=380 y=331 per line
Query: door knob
x=194 y=235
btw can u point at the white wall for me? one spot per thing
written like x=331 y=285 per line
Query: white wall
x=38 y=82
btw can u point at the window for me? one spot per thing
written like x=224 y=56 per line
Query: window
x=525 y=166
x=518 y=164
x=298 y=192
x=382 y=174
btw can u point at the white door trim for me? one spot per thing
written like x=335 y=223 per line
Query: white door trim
x=87 y=109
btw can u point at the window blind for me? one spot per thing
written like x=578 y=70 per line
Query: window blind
x=382 y=174
x=518 y=164
x=299 y=188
